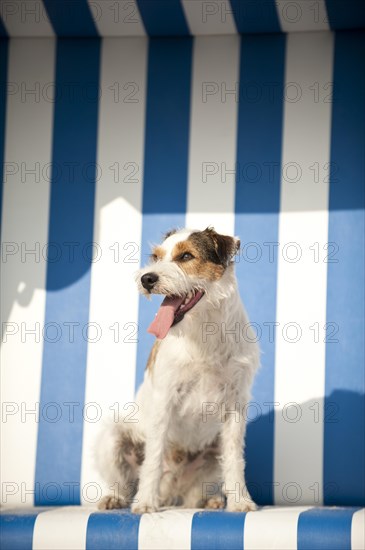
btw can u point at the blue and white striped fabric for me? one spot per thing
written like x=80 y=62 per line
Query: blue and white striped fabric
x=108 y=143
x=92 y=18
x=287 y=528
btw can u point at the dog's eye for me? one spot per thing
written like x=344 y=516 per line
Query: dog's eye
x=153 y=257
x=186 y=256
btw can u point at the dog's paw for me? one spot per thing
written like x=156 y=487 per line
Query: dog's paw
x=111 y=502
x=244 y=505
x=214 y=503
x=143 y=508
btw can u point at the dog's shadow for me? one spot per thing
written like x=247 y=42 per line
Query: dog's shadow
x=342 y=415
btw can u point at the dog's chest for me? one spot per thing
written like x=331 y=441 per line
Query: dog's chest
x=204 y=387
x=199 y=409
x=203 y=376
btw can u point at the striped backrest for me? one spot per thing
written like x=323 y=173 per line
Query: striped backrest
x=107 y=143
x=92 y=18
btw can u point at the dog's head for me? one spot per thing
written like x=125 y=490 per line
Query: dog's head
x=185 y=267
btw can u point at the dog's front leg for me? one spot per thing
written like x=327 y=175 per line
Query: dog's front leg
x=233 y=462
x=147 y=497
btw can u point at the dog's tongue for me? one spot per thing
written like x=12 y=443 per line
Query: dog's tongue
x=165 y=316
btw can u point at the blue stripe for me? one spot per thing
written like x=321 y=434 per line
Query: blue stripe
x=71 y=18
x=4 y=46
x=113 y=530
x=16 y=530
x=344 y=428
x=257 y=215
x=325 y=529
x=166 y=159
x=68 y=278
x=346 y=15
x=217 y=531
x=255 y=16
x=163 y=17
x=3 y=31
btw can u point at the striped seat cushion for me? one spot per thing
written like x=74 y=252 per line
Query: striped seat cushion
x=78 y=528
x=90 y=18
x=109 y=143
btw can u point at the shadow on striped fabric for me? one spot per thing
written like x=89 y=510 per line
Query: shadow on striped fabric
x=345 y=453
x=90 y=18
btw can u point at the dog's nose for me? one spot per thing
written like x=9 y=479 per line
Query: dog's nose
x=149 y=280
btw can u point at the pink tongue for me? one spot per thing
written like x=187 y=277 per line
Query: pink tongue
x=165 y=316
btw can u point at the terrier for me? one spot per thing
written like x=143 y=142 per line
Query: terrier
x=187 y=448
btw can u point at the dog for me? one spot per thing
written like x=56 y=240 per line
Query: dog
x=187 y=448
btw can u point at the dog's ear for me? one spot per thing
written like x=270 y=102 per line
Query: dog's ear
x=169 y=233
x=225 y=246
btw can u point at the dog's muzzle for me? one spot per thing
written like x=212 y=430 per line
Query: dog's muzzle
x=149 y=280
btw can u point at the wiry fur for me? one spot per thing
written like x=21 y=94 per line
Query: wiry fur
x=171 y=456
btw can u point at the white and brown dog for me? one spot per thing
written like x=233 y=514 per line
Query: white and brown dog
x=187 y=446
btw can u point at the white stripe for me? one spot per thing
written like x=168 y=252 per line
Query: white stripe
x=25 y=18
x=25 y=224
x=213 y=129
x=302 y=15
x=272 y=528
x=301 y=296
x=61 y=529
x=169 y=530
x=111 y=360
x=120 y=18
x=358 y=530
x=209 y=17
